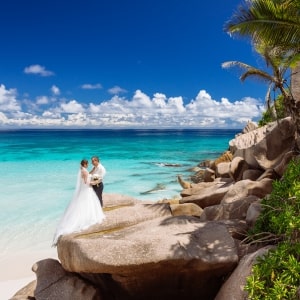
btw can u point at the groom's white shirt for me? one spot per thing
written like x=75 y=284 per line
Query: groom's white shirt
x=99 y=170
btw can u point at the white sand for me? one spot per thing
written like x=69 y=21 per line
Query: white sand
x=10 y=287
x=15 y=270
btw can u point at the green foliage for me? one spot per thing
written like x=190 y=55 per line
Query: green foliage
x=269 y=116
x=277 y=274
x=281 y=210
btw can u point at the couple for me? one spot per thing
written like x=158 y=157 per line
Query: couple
x=85 y=209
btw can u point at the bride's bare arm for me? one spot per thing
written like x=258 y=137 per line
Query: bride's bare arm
x=85 y=177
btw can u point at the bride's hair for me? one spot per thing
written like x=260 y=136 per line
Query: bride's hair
x=84 y=162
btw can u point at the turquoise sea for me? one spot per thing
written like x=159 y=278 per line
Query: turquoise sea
x=38 y=171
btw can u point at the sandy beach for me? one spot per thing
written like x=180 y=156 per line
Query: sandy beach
x=16 y=270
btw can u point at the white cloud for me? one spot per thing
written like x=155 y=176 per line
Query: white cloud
x=55 y=90
x=42 y=100
x=8 y=99
x=177 y=104
x=38 y=70
x=206 y=106
x=140 y=110
x=3 y=118
x=140 y=100
x=116 y=90
x=51 y=114
x=72 y=107
x=160 y=100
x=88 y=86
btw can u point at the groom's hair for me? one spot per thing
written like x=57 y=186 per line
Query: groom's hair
x=95 y=157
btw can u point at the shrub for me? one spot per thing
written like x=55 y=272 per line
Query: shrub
x=276 y=275
x=281 y=209
x=270 y=116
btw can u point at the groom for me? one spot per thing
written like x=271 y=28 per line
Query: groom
x=99 y=170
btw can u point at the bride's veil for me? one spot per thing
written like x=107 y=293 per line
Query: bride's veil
x=78 y=183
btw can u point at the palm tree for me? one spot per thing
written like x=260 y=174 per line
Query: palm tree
x=274 y=28
x=279 y=63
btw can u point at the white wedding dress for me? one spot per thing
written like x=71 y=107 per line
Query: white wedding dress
x=83 y=211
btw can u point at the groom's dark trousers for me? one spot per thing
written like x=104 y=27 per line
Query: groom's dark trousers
x=98 y=188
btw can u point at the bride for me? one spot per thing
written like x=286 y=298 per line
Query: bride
x=84 y=209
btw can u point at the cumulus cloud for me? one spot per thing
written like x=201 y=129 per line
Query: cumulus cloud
x=88 y=86
x=139 y=111
x=8 y=99
x=140 y=100
x=72 y=107
x=224 y=109
x=116 y=90
x=38 y=70
x=3 y=118
x=42 y=100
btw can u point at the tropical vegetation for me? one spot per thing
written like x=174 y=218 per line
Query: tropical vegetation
x=273 y=27
x=273 y=113
x=279 y=64
x=276 y=22
x=277 y=274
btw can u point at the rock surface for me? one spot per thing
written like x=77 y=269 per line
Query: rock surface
x=169 y=250
x=55 y=281
x=176 y=249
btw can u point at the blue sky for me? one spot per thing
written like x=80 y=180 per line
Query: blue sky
x=123 y=63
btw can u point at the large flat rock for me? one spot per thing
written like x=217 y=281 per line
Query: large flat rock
x=162 y=258
x=177 y=242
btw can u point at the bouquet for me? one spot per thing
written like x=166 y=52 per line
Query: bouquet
x=95 y=180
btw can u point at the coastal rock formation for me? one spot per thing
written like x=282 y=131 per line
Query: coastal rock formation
x=209 y=175
x=117 y=200
x=206 y=194
x=249 y=127
x=269 y=152
x=176 y=255
x=252 y=174
x=184 y=184
x=53 y=280
x=177 y=249
x=186 y=209
x=225 y=157
x=265 y=147
x=237 y=168
x=228 y=211
x=246 y=188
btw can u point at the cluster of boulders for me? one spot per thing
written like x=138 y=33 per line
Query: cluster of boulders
x=189 y=248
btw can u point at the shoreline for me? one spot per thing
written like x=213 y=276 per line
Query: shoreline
x=16 y=269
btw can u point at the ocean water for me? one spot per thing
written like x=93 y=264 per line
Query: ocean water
x=38 y=170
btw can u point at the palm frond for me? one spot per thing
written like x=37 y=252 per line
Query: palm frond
x=257 y=75
x=248 y=71
x=234 y=63
x=276 y=22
